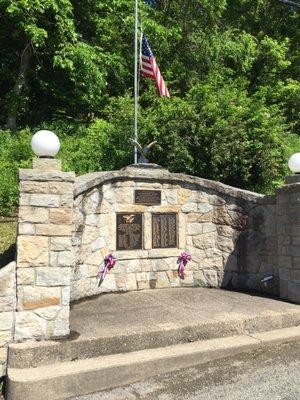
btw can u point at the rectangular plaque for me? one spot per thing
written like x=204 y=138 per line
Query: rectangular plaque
x=164 y=230
x=129 y=231
x=147 y=197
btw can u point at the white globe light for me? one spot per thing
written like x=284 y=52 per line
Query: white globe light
x=294 y=163
x=45 y=144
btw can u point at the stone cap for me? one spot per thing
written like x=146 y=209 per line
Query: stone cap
x=292 y=185
x=292 y=179
x=144 y=166
x=42 y=175
x=155 y=173
x=291 y=188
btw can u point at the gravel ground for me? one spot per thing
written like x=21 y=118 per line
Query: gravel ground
x=266 y=374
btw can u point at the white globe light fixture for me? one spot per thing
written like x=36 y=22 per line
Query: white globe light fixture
x=45 y=144
x=294 y=163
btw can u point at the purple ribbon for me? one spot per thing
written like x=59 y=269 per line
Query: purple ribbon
x=183 y=259
x=109 y=263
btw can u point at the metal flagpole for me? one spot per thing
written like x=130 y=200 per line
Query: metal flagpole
x=136 y=55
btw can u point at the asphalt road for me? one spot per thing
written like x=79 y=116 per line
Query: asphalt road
x=262 y=375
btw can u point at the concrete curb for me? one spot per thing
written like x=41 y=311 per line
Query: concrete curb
x=67 y=379
x=35 y=354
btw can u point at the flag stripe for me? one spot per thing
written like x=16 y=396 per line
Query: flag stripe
x=147 y=67
x=150 y=69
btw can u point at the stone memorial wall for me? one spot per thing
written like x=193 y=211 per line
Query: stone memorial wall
x=147 y=217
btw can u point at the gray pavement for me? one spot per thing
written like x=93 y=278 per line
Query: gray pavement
x=165 y=309
x=272 y=373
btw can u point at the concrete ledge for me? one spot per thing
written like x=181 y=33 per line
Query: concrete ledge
x=155 y=318
x=64 y=380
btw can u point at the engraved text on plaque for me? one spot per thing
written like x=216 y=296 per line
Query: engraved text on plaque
x=129 y=231
x=147 y=197
x=164 y=230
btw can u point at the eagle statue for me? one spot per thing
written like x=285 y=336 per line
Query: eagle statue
x=142 y=159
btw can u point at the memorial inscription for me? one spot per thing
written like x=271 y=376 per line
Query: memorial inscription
x=147 y=197
x=164 y=230
x=129 y=231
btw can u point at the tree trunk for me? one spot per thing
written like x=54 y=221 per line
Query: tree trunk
x=14 y=101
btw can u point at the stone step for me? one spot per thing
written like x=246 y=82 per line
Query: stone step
x=34 y=354
x=64 y=380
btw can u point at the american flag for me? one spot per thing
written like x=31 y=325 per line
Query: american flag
x=150 y=69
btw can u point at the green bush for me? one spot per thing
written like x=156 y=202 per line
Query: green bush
x=218 y=132
x=8 y=188
x=239 y=139
x=15 y=153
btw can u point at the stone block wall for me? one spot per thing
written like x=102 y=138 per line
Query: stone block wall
x=7 y=309
x=255 y=256
x=288 y=227
x=230 y=233
x=66 y=228
x=45 y=257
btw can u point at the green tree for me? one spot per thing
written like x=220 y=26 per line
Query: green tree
x=45 y=64
x=232 y=67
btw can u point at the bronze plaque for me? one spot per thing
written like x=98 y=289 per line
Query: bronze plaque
x=129 y=231
x=147 y=197
x=164 y=230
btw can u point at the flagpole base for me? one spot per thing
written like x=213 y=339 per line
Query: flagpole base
x=147 y=166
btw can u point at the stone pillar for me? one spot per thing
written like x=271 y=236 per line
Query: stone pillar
x=45 y=255
x=288 y=234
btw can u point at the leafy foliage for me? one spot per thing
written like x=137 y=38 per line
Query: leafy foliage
x=232 y=67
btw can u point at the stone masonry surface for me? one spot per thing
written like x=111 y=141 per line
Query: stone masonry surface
x=288 y=228
x=230 y=233
x=66 y=228
x=45 y=257
x=7 y=308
